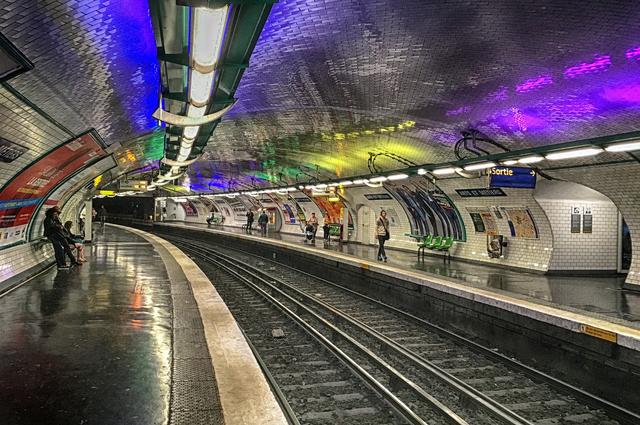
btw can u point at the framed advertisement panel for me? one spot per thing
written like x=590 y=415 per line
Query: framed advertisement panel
x=22 y=195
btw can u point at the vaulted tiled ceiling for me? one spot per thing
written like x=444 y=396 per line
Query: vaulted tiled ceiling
x=526 y=73
x=334 y=83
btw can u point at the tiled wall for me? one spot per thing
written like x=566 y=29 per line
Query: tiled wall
x=24 y=126
x=21 y=258
x=525 y=253
x=621 y=184
x=597 y=250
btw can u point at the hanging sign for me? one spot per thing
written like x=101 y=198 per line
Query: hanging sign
x=515 y=177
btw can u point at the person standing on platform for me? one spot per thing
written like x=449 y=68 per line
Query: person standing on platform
x=263 y=219
x=249 y=220
x=325 y=227
x=382 y=230
x=102 y=215
x=54 y=231
x=313 y=220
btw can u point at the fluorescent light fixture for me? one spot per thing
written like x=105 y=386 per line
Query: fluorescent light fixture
x=624 y=147
x=151 y=187
x=444 y=171
x=291 y=189
x=399 y=176
x=196 y=111
x=179 y=199
x=360 y=181
x=333 y=184
x=190 y=132
x=573 y=153
x=345 y=183
x=321 y=186
x=422 y=171
x=208 y=31
x=309 y=186
x=508 y=162
x=301 y=187
x=532 y=159
x=378 y=179
x=479 y=166
x=200 y=86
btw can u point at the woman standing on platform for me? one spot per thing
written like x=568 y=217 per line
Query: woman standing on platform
x=382 y=230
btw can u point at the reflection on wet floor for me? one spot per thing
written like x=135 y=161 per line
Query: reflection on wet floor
x=602 y=295
x=91 y=344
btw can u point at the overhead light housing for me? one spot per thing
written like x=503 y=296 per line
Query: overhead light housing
x=346 y=183
x=200 y=86
x=360 y=181
x=573 y=153
x=378 y=179
x=444 y=171
x=422 y=171
x=532 y=159
x=509 y=162
x=399 y=176
x=321 y=186
x=479 y=166
x=624 y=147
x=190 y=132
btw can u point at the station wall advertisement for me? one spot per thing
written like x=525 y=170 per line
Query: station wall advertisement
x=521 y=223
x=22 y=195
x=430 y=211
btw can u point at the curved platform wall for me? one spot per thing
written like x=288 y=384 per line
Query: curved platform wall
x=621 y=184
x=597 y=250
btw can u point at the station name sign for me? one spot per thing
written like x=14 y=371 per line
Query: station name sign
x=480 y=193
x=377 y=196
x=515 y=177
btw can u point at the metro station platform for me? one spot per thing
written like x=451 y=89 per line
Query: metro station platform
x=137 y=335
x=600 y=297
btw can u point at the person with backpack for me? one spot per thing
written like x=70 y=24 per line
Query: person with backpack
x=249 y=220
x=263 y=219
x=382 y=230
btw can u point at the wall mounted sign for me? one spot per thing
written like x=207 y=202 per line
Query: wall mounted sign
x=575 y=223
x=587 y=221
x=480 y=193
x=377 y=196
x=478 y=223
x=9 y=151
x=515 y=177
x=302 y=199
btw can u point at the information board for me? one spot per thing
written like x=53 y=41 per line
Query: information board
x=515 y=177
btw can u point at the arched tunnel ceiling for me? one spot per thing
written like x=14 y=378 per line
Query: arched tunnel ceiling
x=331 y=82
x=526 y=73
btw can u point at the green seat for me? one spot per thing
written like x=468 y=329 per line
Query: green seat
x=425 y=241
x=435 y=242
x=445 y=245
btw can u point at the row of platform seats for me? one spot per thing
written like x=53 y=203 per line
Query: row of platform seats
x=435 y=243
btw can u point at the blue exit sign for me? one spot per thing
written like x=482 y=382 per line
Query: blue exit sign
x=516 y=177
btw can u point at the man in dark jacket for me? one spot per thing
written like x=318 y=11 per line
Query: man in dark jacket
x=54 y=231
x=263 y=220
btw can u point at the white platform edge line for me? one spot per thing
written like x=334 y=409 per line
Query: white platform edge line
x=245 y=395
x=626 y=336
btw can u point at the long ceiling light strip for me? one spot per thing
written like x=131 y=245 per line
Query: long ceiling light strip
x=207 y=31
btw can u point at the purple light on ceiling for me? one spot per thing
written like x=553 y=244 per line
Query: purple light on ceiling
x=600 y=63
x=633 y=54
x=534 y=83
x=626 y=94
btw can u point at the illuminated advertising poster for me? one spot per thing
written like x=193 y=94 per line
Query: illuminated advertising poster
x=332 y=210
x=521 y=223
x=21 y=196
x=289 y=211
x=190 y=210
x=430 y=211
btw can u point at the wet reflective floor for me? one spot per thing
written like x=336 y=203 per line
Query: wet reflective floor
x=598 y=296
x=91 y=345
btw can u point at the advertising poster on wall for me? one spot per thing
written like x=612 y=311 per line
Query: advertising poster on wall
x=190 y=210
x=20 y=198
x=332 y=210
x=430 y=211
x=289 y=211
x=521 y=223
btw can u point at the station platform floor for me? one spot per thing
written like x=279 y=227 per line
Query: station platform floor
x=596 y=296
x=118 y=340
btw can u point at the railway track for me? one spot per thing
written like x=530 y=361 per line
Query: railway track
x=479 y=385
